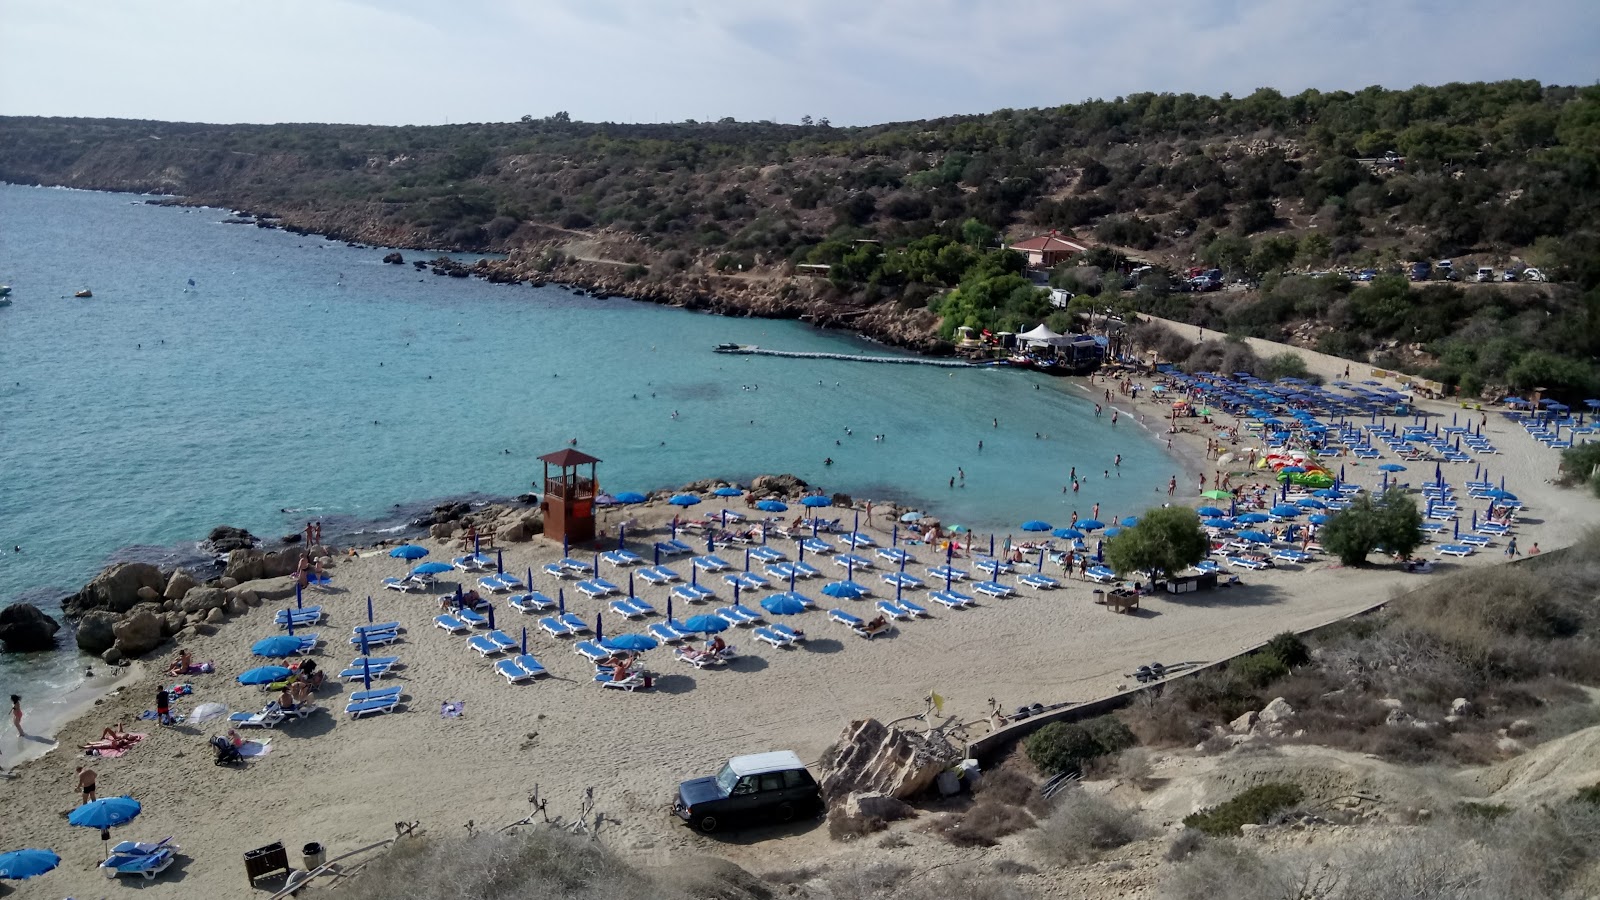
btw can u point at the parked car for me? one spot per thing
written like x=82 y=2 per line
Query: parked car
x=772 y=785
x=1366 y=274
x=1533 y=275
x=1485 y=274
x=1421 y=271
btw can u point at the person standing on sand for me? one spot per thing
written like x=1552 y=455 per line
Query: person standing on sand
x=86 y=784
x=16 y=714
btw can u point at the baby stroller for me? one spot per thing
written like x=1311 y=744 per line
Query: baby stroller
x=227 y=753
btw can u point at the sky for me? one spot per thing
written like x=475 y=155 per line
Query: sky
x=856 y=62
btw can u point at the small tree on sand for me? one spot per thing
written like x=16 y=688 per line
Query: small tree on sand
x=1390 y=521
x=1166 y=540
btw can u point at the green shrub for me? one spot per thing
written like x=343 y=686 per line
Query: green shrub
x=1251 y=807
x=1258 y=670
x=1065 y=746
x=1289 y=649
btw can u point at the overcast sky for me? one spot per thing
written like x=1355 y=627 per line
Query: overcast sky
x=855 y=61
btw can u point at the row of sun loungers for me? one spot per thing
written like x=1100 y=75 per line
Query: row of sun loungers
x=632 y=607
x=781 y=636
x=374 y=702
x=363 y=667
x=272 y=715
x=300 y=618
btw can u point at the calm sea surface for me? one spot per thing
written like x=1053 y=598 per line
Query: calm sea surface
x=300 y=374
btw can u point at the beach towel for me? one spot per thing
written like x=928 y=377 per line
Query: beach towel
x=107 y=750
x=150 y=715
x=255 y=748
x=448 y=710
x=180 y=690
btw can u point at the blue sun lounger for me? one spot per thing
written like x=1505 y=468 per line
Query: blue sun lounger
x=556 y=627
x=767 y=635
x=657 y=575
x=711 y=563
x=404 y=585
x=1208 y=567
x=269 y=716
x=1038 y=582
x=485 y=645
x=374 y=706
x=378 y=694
x=476 y=562
x=952 y=599
x=992 y=566
x=793 y=634
x=674 y=547
x=575 y=622
x=1474 y=540
x=308 y=643
x=767 y=554
x=895 y=555
x=498 y=583
x=666 y=633
x=631 y=607
x=950 y=572
x=594 y=589
x=310 y=615
x=515 y=672
x=804 y=569
x=693 y=593
x=993 y=589
x=622 y=557
x=375 y=668
x=591 y=651
x=1456 y=550
x=738 y=614
x=816 y=545
x=857 y=540
x=893 y=610
x=852 y=560
x=782 y=570
x=575 y=565
x=746 y=581
x=451 y=624
x=903 y=580
x=375 y=627
x=375 y=638
x=1100 y=574
x=532 y=602
x=1244 y=562
x=142 y=859
x=844 y=618
x=473 y=618
x=557 y=570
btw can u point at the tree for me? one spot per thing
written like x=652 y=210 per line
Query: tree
x=1166 y=540
x=1392 y=522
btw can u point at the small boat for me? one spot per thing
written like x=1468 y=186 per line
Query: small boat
x=84 y=293
x=5 y=290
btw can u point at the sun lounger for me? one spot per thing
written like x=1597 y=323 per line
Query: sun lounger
x=1244 y=562
x=767 y=554
x=375 y=627
x=473 y=618
x=622 y=557
x=555 y=627
x=816 y=545
x=1461 y=550
x=1292 y=556
x=902 y=580
x=993 y=589
x=852 y=560
x=1038 y=582
x=952 y=599
x=665 y=633
x=806 y=570
x=626 y=607
x=992 y=566
x=632 y=682
x=308 y=643
x=674 y=548
x=497 y=583
x=405 y=585
x=894 y=555
x=533 y=602
x=738 y=614
x=1100 y=574
x=377 y=694
x=374 y=706
x=451 y=624
x=858 y=540
x=1492 y=529
x=1474 y=540
x=700 y=659
x=557 y=570
x=793 y=634
x=374 y=669
x=768 y=636
x=782 y=570
x=844 y=618
x=711 y=563
x=946 y=571
x=655 y=575
x=512 y=672
x=375 y=638
x=137 y=858
x=591 y=651
x=485 y=645
x=693 y=593
x=575 y=622
x=576 y=566
x=893 y=610
x=747 y=581
x=269 y=716
x=308 y=615
x=594 y=589
x=476 y=562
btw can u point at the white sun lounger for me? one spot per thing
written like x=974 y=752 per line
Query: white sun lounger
x=700 y=659
x=622 y=557
x=768 y=636
x=674 y=547
x=693 y=593
x=665 y=632
x=993 y=589
x=533 y=602
x=1038 y=582
x=405 y=585
x=903 y=580
x=893 y=610
x=952 y=599
x=556 y=627
x=711 y=563
x=269 y=716
x=451 y=624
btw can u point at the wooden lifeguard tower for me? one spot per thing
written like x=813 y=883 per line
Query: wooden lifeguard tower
x=568 y=502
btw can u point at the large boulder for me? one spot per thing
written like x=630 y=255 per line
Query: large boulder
x=778 y=484
x=115 y=589
x=877 y=806
x=520 y=528
x=203 y=599
x=24 y=629
x=444 y=512
x=95 y=634
x=138 y=633
x=873 y=758
x=226 y=539
x=266 y=590
x=178 y=585
x=441 y=531
x=249 y=565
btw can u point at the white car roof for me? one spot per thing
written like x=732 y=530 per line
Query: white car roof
x=758 y=763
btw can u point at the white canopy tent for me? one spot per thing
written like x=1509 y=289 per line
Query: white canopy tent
x=1040 y=336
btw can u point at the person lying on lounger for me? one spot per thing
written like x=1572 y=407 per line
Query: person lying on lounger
x=878 y=624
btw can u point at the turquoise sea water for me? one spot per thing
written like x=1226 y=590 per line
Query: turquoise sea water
x=302 y=374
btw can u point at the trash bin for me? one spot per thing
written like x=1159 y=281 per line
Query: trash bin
x=314 y=855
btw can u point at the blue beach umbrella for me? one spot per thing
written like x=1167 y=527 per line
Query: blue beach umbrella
x=1067 y=533
x=1035 y=525
x=1210 y=512
x=263 y=675
x=630 y=497
x=1255 y=537
x=1130 y=521
x=816 y=500
x=772 y=506
x=1217 y=522
x=1113 y=531
x=1325 y=494
x=105 y=813
x=276 y=647
x=1251 y=518
x=1286 y=511
x=630 y=642
x=843 y=590
x=432 y=568
x=1090 y=524
x=524 y=639
x=728 y=492
x=500 y=562
x=684 y=500
x=369 y=608
x=783 y=605
x=1391 y=467
x=408 y=551
x=30 y=863
x=561 y=601
x=298 y=604
x=1310 y=503
x=1319 y=519
x=706 y=623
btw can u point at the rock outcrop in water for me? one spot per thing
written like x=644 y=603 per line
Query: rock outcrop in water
x=226 y=539
x=25 y=629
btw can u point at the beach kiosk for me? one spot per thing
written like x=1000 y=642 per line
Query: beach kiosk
x=568 y=502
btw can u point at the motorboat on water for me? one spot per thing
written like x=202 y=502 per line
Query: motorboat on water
x=84 y=293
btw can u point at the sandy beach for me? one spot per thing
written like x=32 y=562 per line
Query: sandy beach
x=345 y=782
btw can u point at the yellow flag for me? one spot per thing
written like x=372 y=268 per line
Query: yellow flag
x=938 y=703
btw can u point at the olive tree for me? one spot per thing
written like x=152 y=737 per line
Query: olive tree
x=1166 y=540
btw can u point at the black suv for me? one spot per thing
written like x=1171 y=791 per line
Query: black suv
x=762 y=785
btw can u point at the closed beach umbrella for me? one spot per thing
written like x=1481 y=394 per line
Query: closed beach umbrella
x=105 y=813
x=277 y=646
x=630 y=497
x=205 y=712
x=432 y=568
x=630 y=642
x=772 y=506
x=408 y=551
x=728 y=492
x=499 y=562
x=816 y=500
x=1035 y=525
x=783 y=605
x=31 y=863
x=599 y=632
x=684 y=500
x=561 y=601
x=706 y=623
x=263 y=675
